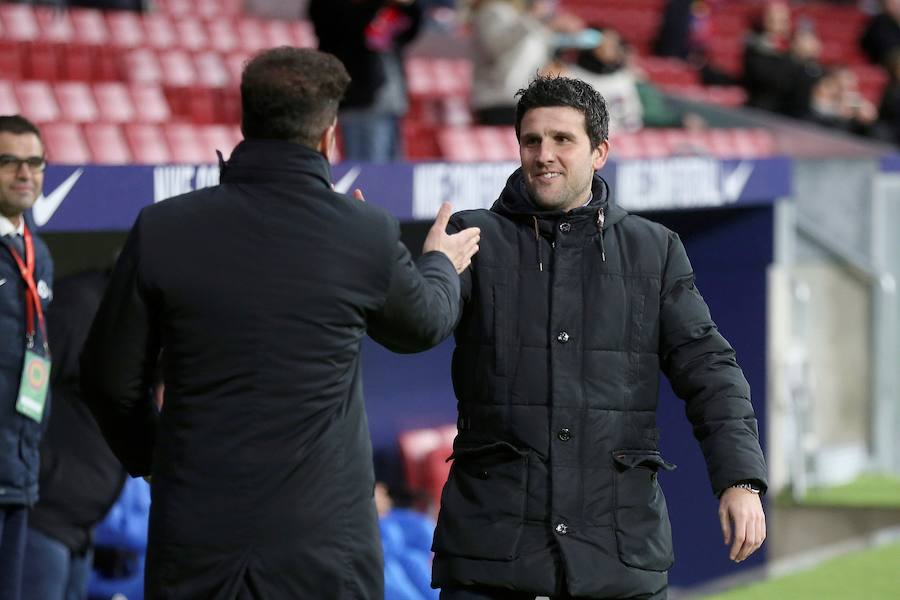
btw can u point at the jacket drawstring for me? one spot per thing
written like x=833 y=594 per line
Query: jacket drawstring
x=537 y=240
x=601 y=218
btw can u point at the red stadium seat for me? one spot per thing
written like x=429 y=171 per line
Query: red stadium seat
x=147 y=144
x=89 y=26
x=41 y=60
x=476 y=144
x=114 y=102
x=187 y=144
x=37 y=101
x=55 y=25
x=222 y=34
x=304 y=35
x=151 y=103
x=107 y=144
x=211 y=70
x=277 y=33
x=142 y=65
x=11 y=60
x=191 y=33
x=235 y=62
x=251 y=34
x=125 y=28
x=438 y=77
x=416 y=446
x=76 y=102
x=219 y=137
x=19 y=22
x=159 y=31
x=9 y=104
x=65 y=144
x=177 y=68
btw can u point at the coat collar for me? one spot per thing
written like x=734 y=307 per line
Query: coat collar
x=274 y=161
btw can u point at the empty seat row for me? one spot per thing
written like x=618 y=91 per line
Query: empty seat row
x=79 y=102
x=127 y=29
x=475 y=144
x=137 y=143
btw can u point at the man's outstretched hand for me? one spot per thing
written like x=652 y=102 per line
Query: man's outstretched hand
x=743 y=522
x=459 y=247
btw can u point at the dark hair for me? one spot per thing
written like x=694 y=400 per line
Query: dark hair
x=564 y=91
x=291 y=94
x=18 y=125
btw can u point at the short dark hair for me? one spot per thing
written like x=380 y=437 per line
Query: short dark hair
x=18 y=125
x=564 y=91
x=291 y=94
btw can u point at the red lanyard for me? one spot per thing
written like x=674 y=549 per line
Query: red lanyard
x=32 y=299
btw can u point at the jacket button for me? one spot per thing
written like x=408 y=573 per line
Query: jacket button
x=564 y=434
x=565 y=227
x=562 y=529
x=563 y=337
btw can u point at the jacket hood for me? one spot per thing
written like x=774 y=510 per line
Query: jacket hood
x=515 y=201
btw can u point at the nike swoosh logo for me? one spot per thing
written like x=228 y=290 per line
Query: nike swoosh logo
x=734 y=183
x=2 y=281
x=344 y=183
x=45 y=206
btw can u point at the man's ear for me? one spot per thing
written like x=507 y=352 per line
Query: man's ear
x=328 y=142
x=600 y=154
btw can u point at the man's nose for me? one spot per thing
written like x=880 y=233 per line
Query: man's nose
x=545 y=152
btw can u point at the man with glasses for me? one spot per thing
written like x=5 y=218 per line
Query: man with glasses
x=26 y=275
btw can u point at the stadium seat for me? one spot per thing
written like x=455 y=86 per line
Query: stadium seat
x=11 y=60
x=76 y=103
x=54 y=25
x=9 y=104
x=89 y=26
x=277 y=33
x=41 y=60
x=211 y=70
x=159 y=31
x=114 y=101
x=251 y=35
x=150 y=102
x=65 y=144
x=19 y=22
x=147 y=143
x=438 y=77
x=476 y=144
x=142 y=65
x=187 y=144
x=222 y=34
x=416 y=445
x=177 y=68
x=125 y=28
x=219 y=137
x=191 y=33
x=37 y=101
x=107 y=144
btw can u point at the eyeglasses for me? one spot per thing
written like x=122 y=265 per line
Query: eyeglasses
x=14 y=163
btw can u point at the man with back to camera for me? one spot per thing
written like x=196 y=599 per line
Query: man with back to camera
x=569 y=311
x=259 y=291
x=26 y=277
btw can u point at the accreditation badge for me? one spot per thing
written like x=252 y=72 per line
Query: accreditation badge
x=33 y=387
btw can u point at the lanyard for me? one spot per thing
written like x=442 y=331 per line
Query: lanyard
x=32 y=299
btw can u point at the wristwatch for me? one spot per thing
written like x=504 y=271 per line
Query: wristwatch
x=746 y=485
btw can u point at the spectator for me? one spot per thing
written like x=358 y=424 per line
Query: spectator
x=767 y=69
x=836 y=102
x=804 y=70
x=635 y=103
x=890 y=102
x=26 y=279
x=80 y=477
x=513 y=40
x=882 y=33
x=368 y=36
x=406 y=540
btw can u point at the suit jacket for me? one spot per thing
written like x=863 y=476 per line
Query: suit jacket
x=258 y=293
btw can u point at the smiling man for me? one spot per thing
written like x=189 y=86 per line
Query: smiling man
x=26 y=273
x=571 y=308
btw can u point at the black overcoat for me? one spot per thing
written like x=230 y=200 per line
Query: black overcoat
x=567 y=320
x=258 y=292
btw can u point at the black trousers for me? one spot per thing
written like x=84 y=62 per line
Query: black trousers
x=489 y=593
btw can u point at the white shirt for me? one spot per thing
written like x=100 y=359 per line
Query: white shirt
x=6 y=226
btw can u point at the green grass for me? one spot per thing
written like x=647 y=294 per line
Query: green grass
x=867 y=575
x=867 y=490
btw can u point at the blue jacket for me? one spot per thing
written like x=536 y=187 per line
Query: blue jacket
x=19 y=435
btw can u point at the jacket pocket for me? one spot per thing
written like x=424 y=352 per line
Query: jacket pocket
x=643 y=531
x=483 y=503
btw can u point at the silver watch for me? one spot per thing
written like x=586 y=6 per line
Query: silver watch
x=747 y=486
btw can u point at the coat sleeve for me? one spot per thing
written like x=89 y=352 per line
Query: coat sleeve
x=118 y=361
x=703 y=371
x=422 y=304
